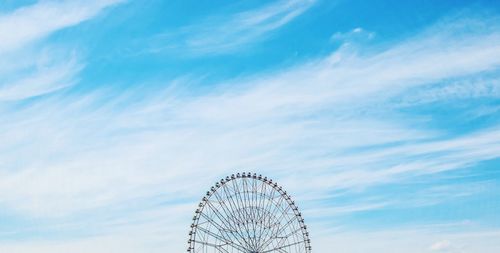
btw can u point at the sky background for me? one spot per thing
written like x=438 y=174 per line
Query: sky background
x=381 y=119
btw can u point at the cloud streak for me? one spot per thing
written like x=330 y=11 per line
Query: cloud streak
x=29 y=69
x=318 y=123
x=34 y=22
x=216 y=36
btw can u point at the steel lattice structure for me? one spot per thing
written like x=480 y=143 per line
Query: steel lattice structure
x=247 y=213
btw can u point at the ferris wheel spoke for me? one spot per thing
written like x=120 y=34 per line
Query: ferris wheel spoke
x=227 y=211
x=233 y=202
x=223 y=231
x=259 y=213
x=251 y=211
x=285 y=237
x=284 y=246
x=242 y=210
x=278 y=206
x=276 y=230
x=267 y=210
x=282 y=250
x=229 y=216
x=292 y=233
x=262 y=215
x=249 y=188
x=269 y=198
x=269 y=233
x=234 y=209
x=284 y=214
x=284 y=227
x=287 y=224
x=222 y=239
x=230 y=228
x=216 y=246
x=211 y=221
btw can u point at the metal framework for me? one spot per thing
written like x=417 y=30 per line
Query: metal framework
x=246 y=213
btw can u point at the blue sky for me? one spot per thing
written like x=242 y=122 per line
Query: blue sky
x=381 y=118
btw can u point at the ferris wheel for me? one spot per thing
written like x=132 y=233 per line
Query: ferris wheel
x=246 y=213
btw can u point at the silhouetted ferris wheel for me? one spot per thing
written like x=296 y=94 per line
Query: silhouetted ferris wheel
x=248 y=214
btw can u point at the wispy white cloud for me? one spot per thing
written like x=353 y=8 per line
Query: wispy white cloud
x=463 y=89
x=28 y=24
x=158 y=238
x=364 y=169
x=47 y=74
x=239 y=128
x=411 y=240
x=444 y=245
x=317 y=127
x=222 y=36
x=356 y=34
x=28 y=68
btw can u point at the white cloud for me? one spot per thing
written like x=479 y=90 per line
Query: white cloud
x=31 y=23
x=160 y=238
x=86 y=154
x=356 y=34
x=45 y=75
x=408 y=240
x=28 y=68
x=463 y=89
x=167 y=138
x=441 y=246
x=221 y=36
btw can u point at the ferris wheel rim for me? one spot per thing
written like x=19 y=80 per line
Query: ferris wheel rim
x=252 y=245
